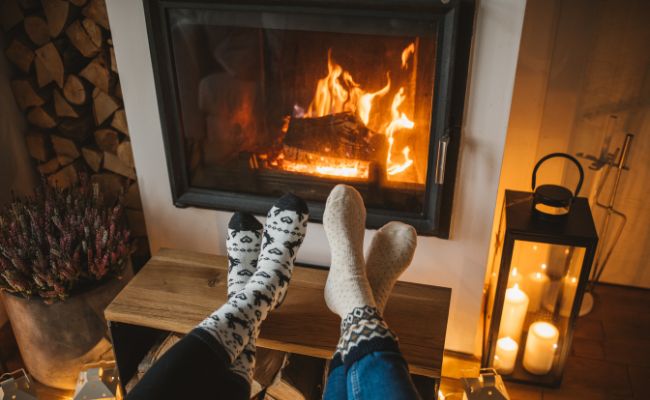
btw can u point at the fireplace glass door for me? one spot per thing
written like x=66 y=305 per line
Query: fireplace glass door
x=269 y=99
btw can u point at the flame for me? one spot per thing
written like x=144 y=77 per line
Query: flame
x=406 y=53
x=338 y=92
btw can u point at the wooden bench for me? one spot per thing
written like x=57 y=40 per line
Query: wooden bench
x=177 y=289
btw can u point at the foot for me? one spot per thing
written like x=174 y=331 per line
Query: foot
x=389 y=254
x=344 y=221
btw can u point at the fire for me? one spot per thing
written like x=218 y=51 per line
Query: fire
x=338 y=92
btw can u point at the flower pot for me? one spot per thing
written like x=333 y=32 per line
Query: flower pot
x=56 y=340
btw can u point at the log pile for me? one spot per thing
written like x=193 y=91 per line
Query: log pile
x=65 y=81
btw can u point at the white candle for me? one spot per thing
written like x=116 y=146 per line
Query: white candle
x=515 y=306
x=505 y=355
x=515 y=278
x=569 y=289
x=535 y=287
x=540 y=347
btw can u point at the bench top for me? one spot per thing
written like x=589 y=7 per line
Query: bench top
x=177 y=289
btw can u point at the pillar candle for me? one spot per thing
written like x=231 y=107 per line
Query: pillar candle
x=515 y=278
x=515 y=306
x=569 y=288
x=540 y=347
x=535 y=286
x=505 y=355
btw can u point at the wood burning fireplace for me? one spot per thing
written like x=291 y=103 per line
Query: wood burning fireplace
x=262 y=98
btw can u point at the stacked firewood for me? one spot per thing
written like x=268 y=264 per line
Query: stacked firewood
x=67 y=85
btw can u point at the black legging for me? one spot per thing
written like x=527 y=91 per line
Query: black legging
x=191 y=370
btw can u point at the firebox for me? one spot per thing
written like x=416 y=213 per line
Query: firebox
x=262 y=98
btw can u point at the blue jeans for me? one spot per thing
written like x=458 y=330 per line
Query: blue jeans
x=379 y=375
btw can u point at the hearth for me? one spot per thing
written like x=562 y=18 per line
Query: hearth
x=258 y=99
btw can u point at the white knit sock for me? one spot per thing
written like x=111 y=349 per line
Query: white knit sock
x=344 y=221
x=243 y=246
x=389 y=254
x=234 y=324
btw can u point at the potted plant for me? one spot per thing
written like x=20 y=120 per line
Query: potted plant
x=62 y=256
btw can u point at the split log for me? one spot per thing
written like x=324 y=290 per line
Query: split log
x=111 y=51
x=66 y=150
x=343 y=134
x=111 y=186
x=125 y=153
x=37 y=30
x=49 y=167
x=97 y=73
x=81 y=40
x=93 y=158
x=103 y=106
x=49 y=66
x=62 y=107
x=65 y=178
x=38 y=146
x=74 y=90
x=107 y=140
x=94 y=31
x=25 y=94
x=96 y=10
x=10 y=14
x=113 y=163
x=78 y=3
x=20 y=55
x=77 y=129
x=41 y=118
x=119 y=122
x=56 y=13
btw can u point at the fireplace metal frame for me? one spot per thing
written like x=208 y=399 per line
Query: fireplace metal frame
x=455 y=27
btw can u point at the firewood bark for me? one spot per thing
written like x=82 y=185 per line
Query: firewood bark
x=25 y=94
x=81 y=40
x=37 y=30
x=96 y=10
x=97 y=73
x=107 y=140
x=119 y=122
x=38 y=146
x=62 y=107
x=20 y=55
x=56 y=13
x=103 y=106
x=10 y=14
x=41 y=118
x=93 y=158
x=113 y=163
x=74 y=90
x=49 y=66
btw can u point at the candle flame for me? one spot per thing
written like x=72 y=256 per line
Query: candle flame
x=543 y=266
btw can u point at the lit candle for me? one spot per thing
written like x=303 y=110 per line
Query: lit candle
x=568 y=295
x=506 y=355
x=535 y=287
x=540 y=347
x=514 y=313
x=515 y=278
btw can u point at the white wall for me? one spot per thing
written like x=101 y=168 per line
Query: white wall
x=458 y=263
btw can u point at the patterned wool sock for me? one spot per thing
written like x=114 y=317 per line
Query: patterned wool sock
x=233 y=325
x=243 y=246
x=389 y=254
x=347 y=290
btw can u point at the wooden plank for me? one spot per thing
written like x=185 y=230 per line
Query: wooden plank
x=177 y=289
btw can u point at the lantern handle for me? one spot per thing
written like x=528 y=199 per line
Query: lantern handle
x=562 y=155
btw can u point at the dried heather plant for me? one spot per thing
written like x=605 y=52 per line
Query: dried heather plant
x=59 y=241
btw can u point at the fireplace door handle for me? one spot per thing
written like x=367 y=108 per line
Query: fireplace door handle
x=441 y=159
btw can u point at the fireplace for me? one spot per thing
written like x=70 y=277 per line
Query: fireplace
x=258 y=99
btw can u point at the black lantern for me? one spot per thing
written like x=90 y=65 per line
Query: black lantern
x=537 y=282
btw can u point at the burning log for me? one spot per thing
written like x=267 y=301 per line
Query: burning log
x=340 y=135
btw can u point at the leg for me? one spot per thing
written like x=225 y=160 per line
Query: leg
x=380 y=375
x=336 y=386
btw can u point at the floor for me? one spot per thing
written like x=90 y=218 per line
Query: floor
x=610 y=356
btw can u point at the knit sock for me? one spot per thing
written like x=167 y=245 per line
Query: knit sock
x=243 y=246
x=389 y=254
x=344 y=221
x=232 y=326
x=347 y=290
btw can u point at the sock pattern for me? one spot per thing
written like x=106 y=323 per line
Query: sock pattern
x=243 y=247
x=235 y=323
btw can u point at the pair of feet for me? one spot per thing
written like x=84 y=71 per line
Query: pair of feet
x=261 y=264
